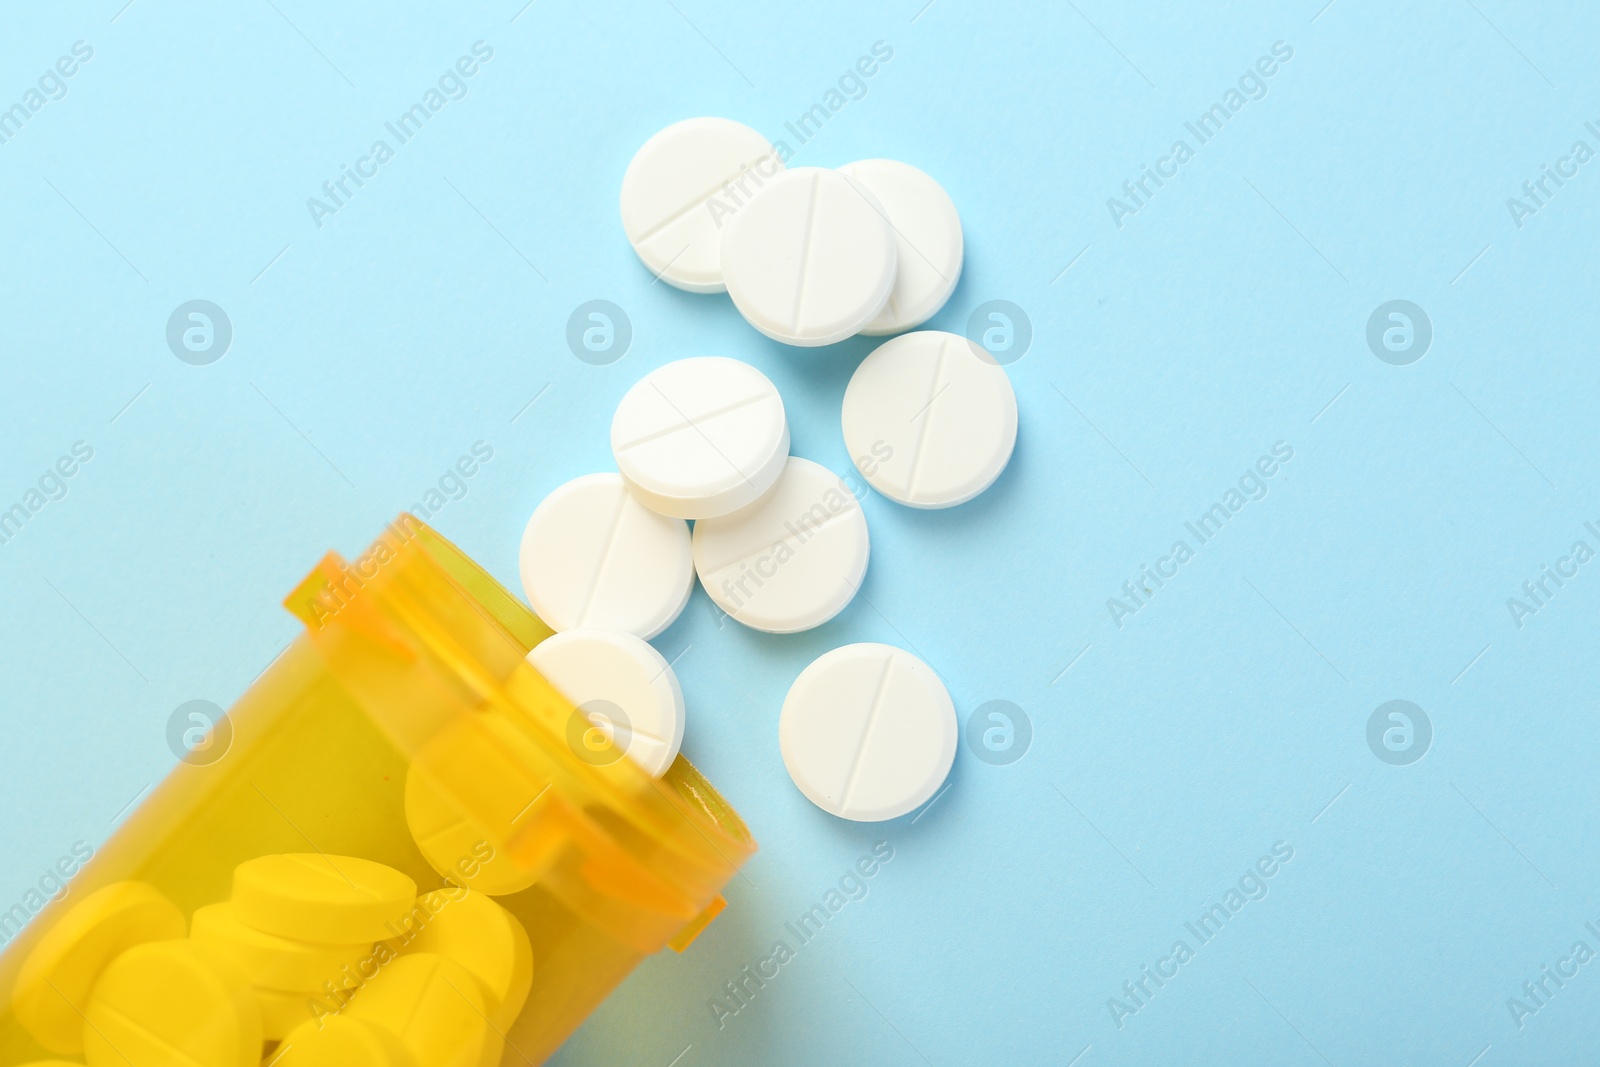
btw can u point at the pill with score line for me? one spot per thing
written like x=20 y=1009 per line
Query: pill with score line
x=491 y=943
x=55 y=980
x=624 y=687
x=593 y=556
x=679 y=188
x=945 y=411
x=433 y=1005
x=469 y=791
x=790 y=561
x=172 y=1002
x=810 y=260
x=868 y=732
x=700 y=437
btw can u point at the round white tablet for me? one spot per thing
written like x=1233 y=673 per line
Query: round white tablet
x=682 y=187
x=623 y=687
x=594 y=556
x=868 y=732
x=700 y=437
x=790 y=561
x=927 y=233
x=930 y=420
x=810 y=259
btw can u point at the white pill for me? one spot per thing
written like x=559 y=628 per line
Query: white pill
x=810 y=259
x=594 y=556
x=700 y=437
x=868 y=732
x=790 y=561
x=680 y=189
x=927 y=233
x=930 y=419
x=623 y=687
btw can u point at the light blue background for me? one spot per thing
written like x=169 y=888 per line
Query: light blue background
x=1227 y=315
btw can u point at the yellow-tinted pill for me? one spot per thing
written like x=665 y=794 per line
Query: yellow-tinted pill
x=341 y=1041
x=332 y=900
x=54 y=983
x=433 y=1005
x=488 y=941
x=172 y=1004
x=457 y=847
x=485 y=758
x=272 y=961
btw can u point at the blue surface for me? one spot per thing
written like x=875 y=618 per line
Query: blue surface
x=1228 y=313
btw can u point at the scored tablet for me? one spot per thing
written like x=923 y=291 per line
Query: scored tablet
x=677 y=190
x=931 y=419
x=698 y=438
x=810 y=259
x=624 y=687
x=592 y=555
x=790 y=561
x=868 y=732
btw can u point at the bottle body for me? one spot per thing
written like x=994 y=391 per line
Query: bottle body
x=410 y=681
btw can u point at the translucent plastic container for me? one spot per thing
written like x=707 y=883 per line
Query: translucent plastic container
x=409 y=650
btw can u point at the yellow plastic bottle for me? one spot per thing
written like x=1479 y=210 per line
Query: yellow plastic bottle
x=410 y=651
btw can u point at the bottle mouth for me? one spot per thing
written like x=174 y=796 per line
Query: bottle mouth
x=434 y=651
